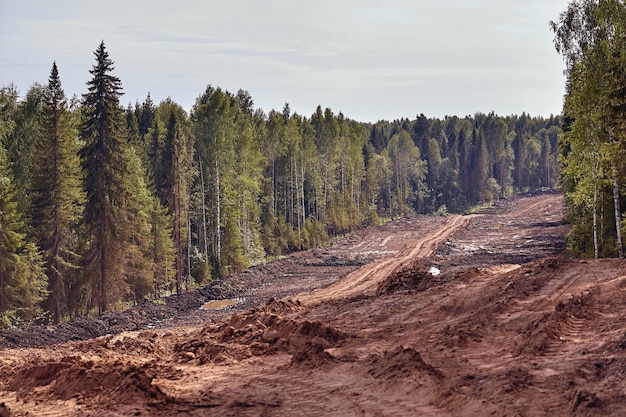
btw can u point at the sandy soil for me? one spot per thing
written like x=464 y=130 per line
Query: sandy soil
x=511 y=327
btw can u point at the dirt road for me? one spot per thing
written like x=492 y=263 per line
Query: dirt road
x=509 y=328
x=366 y=279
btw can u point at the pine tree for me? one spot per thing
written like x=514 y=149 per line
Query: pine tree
x=57 y=195
x=409 y=172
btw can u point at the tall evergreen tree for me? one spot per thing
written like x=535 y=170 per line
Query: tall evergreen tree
x=57 y=194
x=105 y=169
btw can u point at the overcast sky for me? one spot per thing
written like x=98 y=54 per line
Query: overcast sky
x=372 y=60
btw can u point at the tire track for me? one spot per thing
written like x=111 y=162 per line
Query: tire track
x=551 y=205
x=365 y=279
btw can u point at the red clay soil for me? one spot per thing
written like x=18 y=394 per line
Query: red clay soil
x=511 y=327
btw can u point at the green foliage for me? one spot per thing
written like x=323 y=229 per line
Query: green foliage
x=21 y=143
x=33 y=282
x=172 y=151
x=57 y=194
x=591 y=35
x=10 y=319
x=116 y=222
x=162 y=249
x=409 y=172
x=441 y=211
x=11 y=239
x=138 y=239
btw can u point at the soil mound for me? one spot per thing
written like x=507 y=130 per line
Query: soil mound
x=146 y=314
x=73 y=377
x=257 y=332
x=312 y=356
x=412 y=277
x=402 y=362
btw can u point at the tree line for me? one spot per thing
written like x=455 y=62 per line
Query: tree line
x=591 y=36
x=103 y=205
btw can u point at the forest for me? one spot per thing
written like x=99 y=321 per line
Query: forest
x=103 y=206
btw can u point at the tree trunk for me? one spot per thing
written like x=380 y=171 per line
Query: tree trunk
x=188 y=229
x=218 y=220
x=103 y=279
x=178 y=221
x=595 y=209
x=620 y=247
x=204 y=231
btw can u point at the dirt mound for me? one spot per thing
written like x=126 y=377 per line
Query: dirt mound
x=257 y=332
x=146 y=314
x=312 y=355
x=73 y=377
x=412 y=277
x=402 y=362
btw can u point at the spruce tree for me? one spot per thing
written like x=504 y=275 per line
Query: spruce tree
x=57 y=195
x=33 y=282
x=105 y=169
x=136 y=232
x=11 y=239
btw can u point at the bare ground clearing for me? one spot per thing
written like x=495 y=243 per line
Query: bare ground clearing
x=510 y=327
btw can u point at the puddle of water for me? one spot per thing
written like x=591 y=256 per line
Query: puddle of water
x=219 y=304
x=434 y=271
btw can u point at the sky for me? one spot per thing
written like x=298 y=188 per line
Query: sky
x=370 y=60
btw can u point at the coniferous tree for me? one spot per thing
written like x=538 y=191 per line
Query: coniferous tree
x=8 y=109
x=34 y=282
x=174 y=180
x=138 y=238
x=163 y=251
x=11 y=239
x=409 y=172
x=57 y=195
x=21 y=144
x=145 y=115
x=105 y=168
